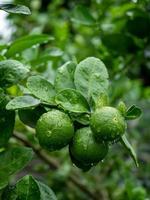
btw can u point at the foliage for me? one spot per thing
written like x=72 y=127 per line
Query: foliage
x=55 y=62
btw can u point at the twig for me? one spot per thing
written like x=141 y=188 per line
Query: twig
x=53 y=163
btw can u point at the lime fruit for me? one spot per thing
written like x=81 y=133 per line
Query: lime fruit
x=54 y=130
x=85 y=149
x=84 y=166
x=107 y=124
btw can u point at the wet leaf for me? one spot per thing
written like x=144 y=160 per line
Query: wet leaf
x=13 y=160
x=72 y=100
x=22 y=102
x=41 y=88
x=65 y=77
x=28 y=188
x=91 y=78
x=11 y=72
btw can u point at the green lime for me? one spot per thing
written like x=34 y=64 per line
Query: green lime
x=107 y=124
x=84 y=166
x=85 y=149
x=54 y=130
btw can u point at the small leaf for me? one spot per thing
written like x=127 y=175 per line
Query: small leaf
x=129 y=148
x=133 y=112
x=16 y=9
x=22 y=102
x=65 y=76
x=91 y=78
x=122 y=108
x=13 y=160
x=82 y=15
x=28 y=188
x=41 y=88
x=11 y=72
x=7 y=121
x=26 y=42
x=72 y=101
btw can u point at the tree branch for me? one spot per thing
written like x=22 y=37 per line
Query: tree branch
x=53 y=164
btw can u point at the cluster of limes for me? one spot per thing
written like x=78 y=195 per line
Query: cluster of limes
x=87 y=145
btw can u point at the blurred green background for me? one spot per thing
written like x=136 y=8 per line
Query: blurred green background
x=117 y=32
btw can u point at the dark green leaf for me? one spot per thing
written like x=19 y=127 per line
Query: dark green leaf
x=91 y=78
x=26 y=42
x=72 y=101
x=22 y=102
x=13 y=160
x=16 y=9
x=11 y=72
x=129 y=148
x=30 y=116
x=133 y=112
x=41 y=88
x=65 y=76
x=82 y=15
x=29 y=188
x=7 y=121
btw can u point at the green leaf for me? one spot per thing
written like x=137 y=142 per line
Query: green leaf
x=91 y=78
x=7 y=121
x=133 y=112
x=41 y=88
x=65 y=76
x=28 y=188
x=13 y=160
x=82 y=15
x=72 y=101
x=83 y=118
x=11 y=72
x=16 y=9
x=26 y=42
x=31 y=116
x=22 y=102
x=129 y=148
x=46 y=192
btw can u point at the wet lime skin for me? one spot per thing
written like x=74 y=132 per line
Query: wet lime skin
x=54 y=130
x=107 y=124
x=85 y=149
